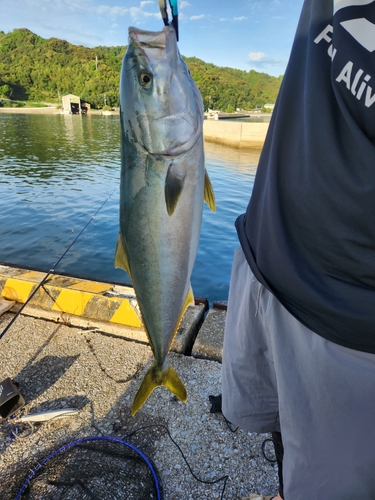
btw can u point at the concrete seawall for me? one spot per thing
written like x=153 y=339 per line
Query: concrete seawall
x=237 y=134
x=108 y=308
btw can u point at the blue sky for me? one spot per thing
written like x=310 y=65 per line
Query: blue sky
x=243 y=34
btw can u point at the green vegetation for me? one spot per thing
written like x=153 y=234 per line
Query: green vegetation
x=228 y=89
x=33 y=68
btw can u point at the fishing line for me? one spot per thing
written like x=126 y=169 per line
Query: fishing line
x=51 y=271
x=204 y=481
x=71 y=479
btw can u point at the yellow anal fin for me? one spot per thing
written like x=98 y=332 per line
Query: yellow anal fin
x=189 y=301
x=156 y=377
x=121 y=257
x=209 y=195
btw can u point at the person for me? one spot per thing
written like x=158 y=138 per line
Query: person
x=299 y=343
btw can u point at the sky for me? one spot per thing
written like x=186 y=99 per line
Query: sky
x=242 y=34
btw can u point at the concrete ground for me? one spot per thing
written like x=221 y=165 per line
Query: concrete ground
x=60 y=363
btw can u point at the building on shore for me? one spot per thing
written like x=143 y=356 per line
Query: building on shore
x=269 y=107
x=73 y=105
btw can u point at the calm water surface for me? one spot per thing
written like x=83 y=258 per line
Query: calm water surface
x=57 y=170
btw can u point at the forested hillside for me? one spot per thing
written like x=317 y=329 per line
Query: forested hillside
x=33 y=68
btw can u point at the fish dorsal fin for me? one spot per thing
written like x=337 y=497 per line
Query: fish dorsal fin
x=173 y=188
x=209 y=195
x=121 y=257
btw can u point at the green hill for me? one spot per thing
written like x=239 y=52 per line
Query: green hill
x=36 y=69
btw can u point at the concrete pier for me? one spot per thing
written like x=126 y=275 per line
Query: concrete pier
x=237 y=134
x=79 y=344
x=107 y=308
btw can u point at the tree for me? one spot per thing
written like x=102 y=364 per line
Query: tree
x=5 y=91
x=38 y=69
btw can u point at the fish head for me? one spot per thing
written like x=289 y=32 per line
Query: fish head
x=161 y=106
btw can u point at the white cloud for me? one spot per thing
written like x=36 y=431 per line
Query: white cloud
x=136 y=13
x=231 y=20
x=115 y=11
x=266 y=3
x=58 y=5
x=257 y=56
x=260 y=61
x=184 y=4
x=196 y=18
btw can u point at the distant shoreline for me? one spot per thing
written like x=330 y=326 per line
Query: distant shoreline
x=49 y=110
x=230 y=133
x=46 y=110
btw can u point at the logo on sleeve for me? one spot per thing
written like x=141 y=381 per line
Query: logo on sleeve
x=340 y=4
x=356 y=79
x=363 y=31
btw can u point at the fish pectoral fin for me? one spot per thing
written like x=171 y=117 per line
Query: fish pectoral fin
x=173 y=188
x=156 y=377
x=121 y=257
x=209 y=195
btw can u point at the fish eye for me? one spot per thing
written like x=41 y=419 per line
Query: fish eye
x=145 y=79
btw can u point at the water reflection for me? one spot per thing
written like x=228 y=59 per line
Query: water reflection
x=73 y=128
x=232 y=172
x=57 y=170
x=242 y=160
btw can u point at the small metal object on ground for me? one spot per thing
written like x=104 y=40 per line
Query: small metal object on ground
x=11 y=399
x=47 y=415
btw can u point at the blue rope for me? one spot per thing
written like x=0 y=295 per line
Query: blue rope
x=85 y=440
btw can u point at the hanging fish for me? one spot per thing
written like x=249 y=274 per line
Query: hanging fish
x=163 y=186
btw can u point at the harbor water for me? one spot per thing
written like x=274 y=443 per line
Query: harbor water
x=56 y=171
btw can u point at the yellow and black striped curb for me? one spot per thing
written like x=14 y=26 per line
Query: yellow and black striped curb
x=83 y=303
x=89 y=299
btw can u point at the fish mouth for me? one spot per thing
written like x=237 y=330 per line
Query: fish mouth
x=170 y=134
x=150 y=39
x=176 y=150
x=172 y=145
x=172 y=123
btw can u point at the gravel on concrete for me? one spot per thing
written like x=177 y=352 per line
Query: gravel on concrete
x=60 y=366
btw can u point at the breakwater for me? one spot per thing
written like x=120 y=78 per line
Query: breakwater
x=237 y=134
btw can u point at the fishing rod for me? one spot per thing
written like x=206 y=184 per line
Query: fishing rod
x=52 y=270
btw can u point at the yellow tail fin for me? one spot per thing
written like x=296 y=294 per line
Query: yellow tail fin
x=154 y=378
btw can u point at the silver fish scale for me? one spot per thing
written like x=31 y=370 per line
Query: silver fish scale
x=162 y=184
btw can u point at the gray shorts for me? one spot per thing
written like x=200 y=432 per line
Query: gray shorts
x=278 y=375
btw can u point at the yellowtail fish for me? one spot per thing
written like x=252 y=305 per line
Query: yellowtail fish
x=163 y=186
